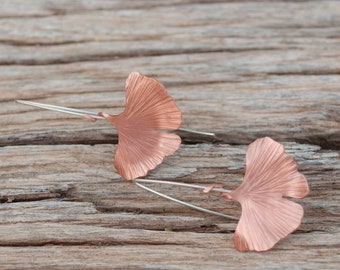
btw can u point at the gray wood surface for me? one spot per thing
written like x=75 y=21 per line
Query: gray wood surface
x=241 y=69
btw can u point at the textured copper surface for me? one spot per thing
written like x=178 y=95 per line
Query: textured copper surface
x=141 y=143
x=267 y=216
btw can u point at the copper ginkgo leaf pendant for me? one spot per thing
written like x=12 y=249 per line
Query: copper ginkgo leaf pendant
x=141 y=143
x=267 y=216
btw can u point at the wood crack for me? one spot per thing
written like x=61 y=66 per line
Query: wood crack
x=123 y=55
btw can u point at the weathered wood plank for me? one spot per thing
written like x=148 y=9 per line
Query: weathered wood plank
x=112 y=30
x=287 y=108
x=133 y=220
x=210 y=251
x=189 y=251
x=86 y=173
x=241 y=74
x=242 y=69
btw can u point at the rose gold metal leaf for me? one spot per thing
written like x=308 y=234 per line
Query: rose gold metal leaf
x=148 y=102
x=266 y=216
x=270 y=169
x=141 y=146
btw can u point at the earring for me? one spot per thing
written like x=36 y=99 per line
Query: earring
x=267 y=216
x=143 y=140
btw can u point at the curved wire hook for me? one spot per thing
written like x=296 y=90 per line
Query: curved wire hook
x=151 y=181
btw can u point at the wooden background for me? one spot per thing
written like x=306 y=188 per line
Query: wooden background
x=242 y=69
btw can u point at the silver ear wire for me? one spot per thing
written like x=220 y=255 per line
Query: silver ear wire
x=197 y=132
x=92 y=114
x=61 y=109
x=151 y=181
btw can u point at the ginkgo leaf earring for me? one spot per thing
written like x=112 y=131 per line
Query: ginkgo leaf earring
x=142 y=138
x=267 y=216
x=149 y=109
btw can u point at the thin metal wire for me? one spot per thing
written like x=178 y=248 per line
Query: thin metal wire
x=197 y=132
x=61 y=109
x=91 y=113
x=137 y=182
x=154 y=181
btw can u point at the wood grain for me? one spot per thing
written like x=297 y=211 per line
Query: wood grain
x=74 y=199
x=241 y=69
x=240 y=77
